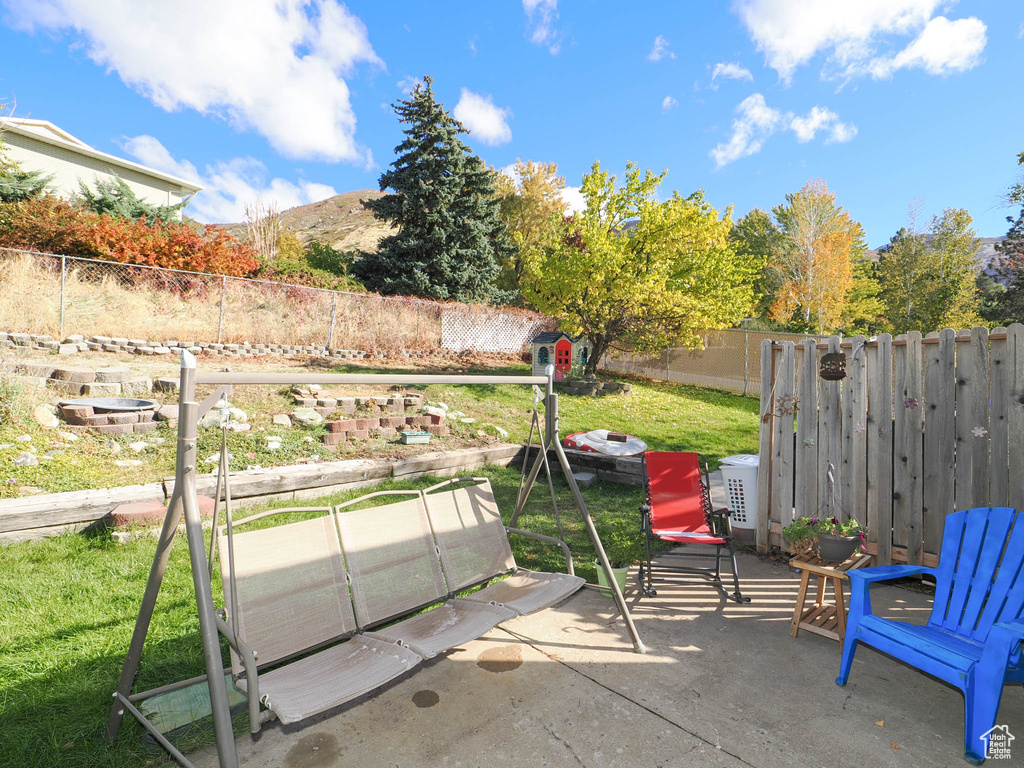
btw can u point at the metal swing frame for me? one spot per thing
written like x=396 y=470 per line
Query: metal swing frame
x=183 y=503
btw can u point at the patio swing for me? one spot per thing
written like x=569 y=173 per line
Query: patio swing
x=440 y=522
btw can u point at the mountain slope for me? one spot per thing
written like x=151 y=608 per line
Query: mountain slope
x=339 y=221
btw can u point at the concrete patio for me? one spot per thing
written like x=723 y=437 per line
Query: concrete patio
x=722 y=685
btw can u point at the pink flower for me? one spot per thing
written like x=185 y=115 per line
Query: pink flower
x=911 y=402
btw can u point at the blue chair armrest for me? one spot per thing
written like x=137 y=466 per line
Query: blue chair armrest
x=1016 y=626
x=887 y=573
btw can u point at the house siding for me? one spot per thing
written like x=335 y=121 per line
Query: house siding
x=69 y=168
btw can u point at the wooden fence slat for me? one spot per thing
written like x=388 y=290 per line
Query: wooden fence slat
x=782 y=441
x=856 y=467
x=1015 y=416
x=939 y=409
x=963 y=492
x=901 y=467
x=998 y=422
x=846 y=457
x=879 y=447
x=981 y=396
x=914 y=449
x=764 y=469
x=830 y=442
x=806 y=499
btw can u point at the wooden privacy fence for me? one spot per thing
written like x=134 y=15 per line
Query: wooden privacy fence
x=918 y=428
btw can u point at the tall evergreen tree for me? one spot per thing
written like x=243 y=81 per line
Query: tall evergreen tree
x=450 y=239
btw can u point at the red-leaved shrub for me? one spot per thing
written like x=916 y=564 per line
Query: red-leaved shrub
x=52 y=225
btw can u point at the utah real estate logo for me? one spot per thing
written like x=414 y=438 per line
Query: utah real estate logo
x=997 y=742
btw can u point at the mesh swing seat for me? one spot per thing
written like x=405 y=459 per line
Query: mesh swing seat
x=678 y=509
x=394 y=567
x=474 y=548
x=291 y=595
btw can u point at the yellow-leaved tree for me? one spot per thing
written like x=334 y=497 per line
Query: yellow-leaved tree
x=814 y=257
x=532 y=207
x=633 y=272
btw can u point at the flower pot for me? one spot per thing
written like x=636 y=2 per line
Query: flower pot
x=621 y=574
x=836 y=549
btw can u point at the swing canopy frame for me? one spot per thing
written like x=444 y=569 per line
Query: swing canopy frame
x=184 y=503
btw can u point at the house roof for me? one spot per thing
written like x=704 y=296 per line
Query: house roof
x=547 y=337
x=47 y=132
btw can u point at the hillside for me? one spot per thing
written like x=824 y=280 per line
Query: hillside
x=339 y=221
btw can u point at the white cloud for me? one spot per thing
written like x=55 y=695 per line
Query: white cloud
x=276 y=67
x=408 y=84
x=573 y=197
x=541 y=16
x=756 y=122
x=483 y=119
x=667 y=103
x=730 y=70
x=792 y=32
x=806 y=127
x=660 y=50
x=227 y=185
x=942 y=48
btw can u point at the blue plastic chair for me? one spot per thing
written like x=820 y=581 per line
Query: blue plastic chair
x=973 y=638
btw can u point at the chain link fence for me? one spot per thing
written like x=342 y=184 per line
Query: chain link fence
x=730 y=360
x=62 y=295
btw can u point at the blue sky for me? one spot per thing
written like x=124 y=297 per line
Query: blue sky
x=888 y=100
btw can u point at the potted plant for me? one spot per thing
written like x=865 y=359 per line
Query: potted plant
x=834 y=540
x=623 y=551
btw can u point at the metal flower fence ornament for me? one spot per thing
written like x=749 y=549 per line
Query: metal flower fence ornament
x=911 y=402
x=859 y=428
x=786 y=405
x=979 y=431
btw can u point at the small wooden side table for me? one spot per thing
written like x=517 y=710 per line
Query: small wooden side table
x=822 y=618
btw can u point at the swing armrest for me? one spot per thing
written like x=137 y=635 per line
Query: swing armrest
x=251 y=675
x=549 y=540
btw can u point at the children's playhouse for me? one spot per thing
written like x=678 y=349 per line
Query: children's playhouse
x=560 y=349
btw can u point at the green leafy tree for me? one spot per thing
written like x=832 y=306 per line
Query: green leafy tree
x=904 y=276
x=659 y=281
x=532 y=207
x=928 y=280
x=863 y=310
x=756 y=237
x=450 y=239
x=115 y=198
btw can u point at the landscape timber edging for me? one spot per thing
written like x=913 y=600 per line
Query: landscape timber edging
x=35 y=517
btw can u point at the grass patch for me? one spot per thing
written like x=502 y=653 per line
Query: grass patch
x=68 y=607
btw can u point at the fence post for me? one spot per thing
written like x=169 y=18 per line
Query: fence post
x=330 y=333
x=63 y=279
x=746 y=361
x=666 y=363
x=220 y=323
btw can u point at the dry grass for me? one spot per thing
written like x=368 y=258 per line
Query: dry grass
x=111 y=299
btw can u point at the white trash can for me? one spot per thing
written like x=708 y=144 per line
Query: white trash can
x=739 y=475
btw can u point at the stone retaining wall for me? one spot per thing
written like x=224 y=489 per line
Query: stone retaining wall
x=77 y=343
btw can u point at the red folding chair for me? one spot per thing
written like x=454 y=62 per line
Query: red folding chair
x=678 y=509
